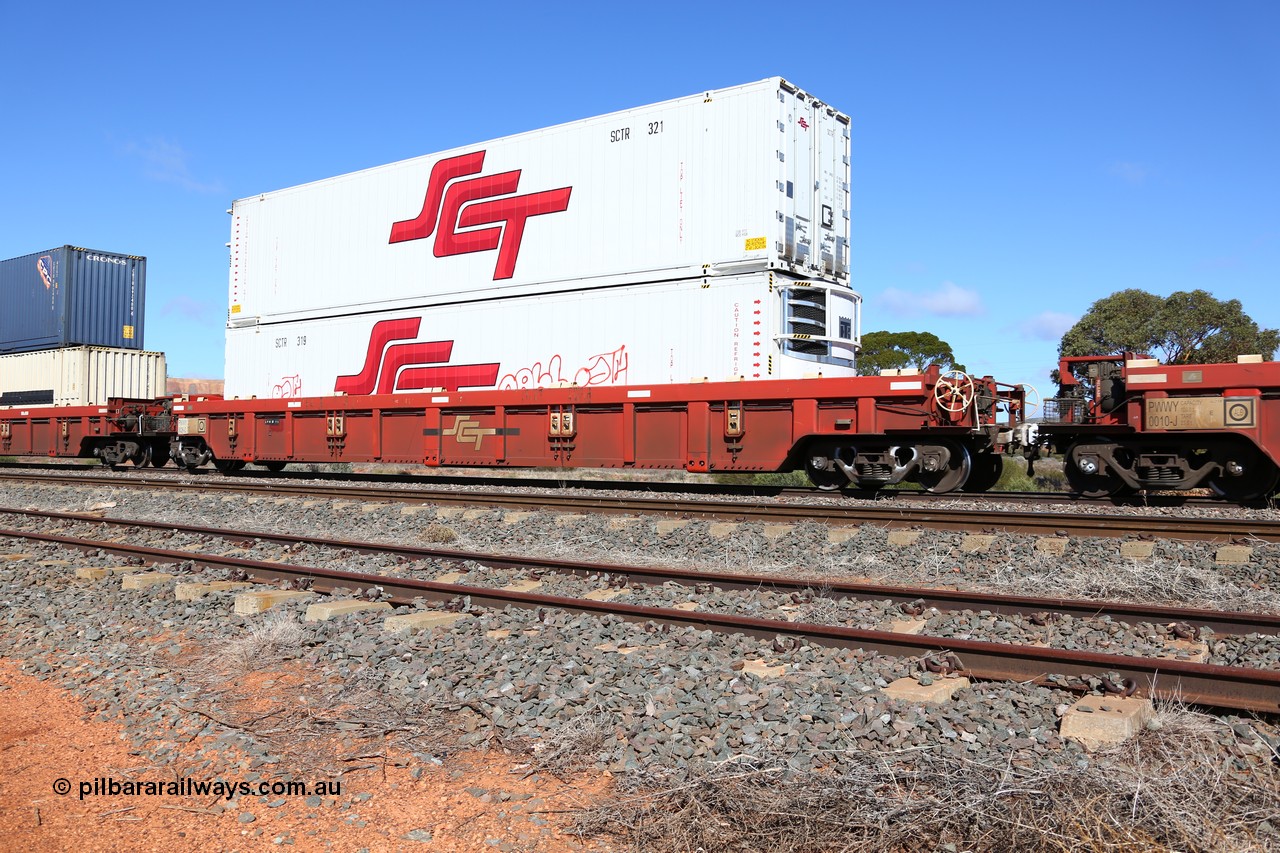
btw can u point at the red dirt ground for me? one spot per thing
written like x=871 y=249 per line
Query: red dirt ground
x=45 y=735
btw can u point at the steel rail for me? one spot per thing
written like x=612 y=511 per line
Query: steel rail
x=1237 y=688
x=942 y=518
x=1220 y=621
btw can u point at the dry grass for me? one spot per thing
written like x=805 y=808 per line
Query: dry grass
x=1153 y=580
x=1168 y=789
x=576 y=745
x=320 y=727
x=275 y=638
x=438 y=534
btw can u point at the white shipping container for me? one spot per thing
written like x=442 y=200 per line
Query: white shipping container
x=80 y=376
x=749 y=178
x=751 y=326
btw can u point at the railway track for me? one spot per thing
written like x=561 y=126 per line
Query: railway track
x=887 y=513
x=1208 y=684
x=1227 y=622
x=1167 y=499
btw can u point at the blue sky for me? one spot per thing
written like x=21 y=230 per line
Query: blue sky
x=1011 y=162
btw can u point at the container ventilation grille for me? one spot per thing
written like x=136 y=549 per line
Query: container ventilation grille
x=807 y=315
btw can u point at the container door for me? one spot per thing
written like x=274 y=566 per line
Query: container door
x=832 y=201
x=815 y=167
x=794 y=120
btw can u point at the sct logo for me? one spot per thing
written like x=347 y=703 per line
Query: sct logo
x=467 y=431
x=396 y=361
x=44 y=265
x=453 y=203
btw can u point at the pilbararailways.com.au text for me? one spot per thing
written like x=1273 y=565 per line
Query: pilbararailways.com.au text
x=188 y=787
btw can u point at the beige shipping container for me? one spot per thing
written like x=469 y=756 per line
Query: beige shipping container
x=79 y=376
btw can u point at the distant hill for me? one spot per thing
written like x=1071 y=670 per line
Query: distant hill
x=197 y=387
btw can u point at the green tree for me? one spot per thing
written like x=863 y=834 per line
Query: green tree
x=895 y=350
x=1186 y=328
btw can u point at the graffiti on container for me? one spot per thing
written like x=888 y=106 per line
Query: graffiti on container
x=606 y=368
x=289 y=386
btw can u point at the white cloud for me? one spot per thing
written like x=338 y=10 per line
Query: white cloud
x=166 y=161
x=1047 y=326
x=1130 y=172
x=949 y=300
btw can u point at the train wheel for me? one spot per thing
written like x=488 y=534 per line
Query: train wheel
x=159 y=454
x=274 y=467
x=951 y=475
x=1088 y=476
x=228 y=466
x=826 y=479
x=1258 y=477
x=142 y=457
x=987 y=468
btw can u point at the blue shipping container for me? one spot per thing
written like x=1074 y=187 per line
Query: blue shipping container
x=72 y=297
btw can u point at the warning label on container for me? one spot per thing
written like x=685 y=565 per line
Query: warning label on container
x=1183 y=413
x=757 y=243
x=127 y=333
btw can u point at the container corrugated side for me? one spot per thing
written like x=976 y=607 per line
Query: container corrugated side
x=749 y=178
x=80 y=376
x=71 y=296
x=750 y=326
